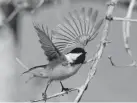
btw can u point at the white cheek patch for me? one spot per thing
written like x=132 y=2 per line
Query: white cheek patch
x=72 y=56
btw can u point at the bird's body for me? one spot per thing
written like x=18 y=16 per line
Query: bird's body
x=67 y=68
x=61 y=72
x=61 y=68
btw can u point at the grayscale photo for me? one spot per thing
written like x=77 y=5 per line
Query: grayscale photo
x=68 y=51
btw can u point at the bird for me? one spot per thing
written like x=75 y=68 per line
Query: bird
x=64 y=46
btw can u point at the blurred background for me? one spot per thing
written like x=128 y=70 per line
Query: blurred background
x=19 y=39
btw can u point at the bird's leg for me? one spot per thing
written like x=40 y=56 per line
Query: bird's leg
x=44 y=95
x=63 y=88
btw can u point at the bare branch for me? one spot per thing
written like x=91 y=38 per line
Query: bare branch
x=21 y=63
x=121 y=66
x=126 y=29
x=100 y=51
x=124 y=19
x=126 y=34
x=88 y=61
x=57 y=94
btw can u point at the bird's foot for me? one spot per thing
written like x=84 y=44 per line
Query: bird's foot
x=65 y=89
x=44 y=96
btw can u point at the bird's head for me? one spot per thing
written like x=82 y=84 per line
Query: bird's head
x=76 y=56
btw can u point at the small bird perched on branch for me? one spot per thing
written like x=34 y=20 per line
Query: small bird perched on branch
x=65 y=45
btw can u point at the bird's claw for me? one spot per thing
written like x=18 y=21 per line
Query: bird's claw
x=65 y=89
x=44 y=96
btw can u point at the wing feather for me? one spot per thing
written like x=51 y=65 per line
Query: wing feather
x=49 y=48
x=78 y=29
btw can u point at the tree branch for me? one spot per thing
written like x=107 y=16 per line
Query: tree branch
x=57 y=94
x=124 y=19
x=100 y=51
x=121 y=66
x=126 y=29
x=126 y=34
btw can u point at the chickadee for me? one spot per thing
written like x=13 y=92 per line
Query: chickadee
x=65 y=45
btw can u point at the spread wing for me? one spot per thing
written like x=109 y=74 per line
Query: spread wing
x=46 y=43
x=78 y=29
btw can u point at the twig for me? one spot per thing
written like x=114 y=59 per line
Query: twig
x=126 y=29
x=84 y=87
x=126 y=34
x=21 y=63
x=100 y=51
x=124 y=19
x=57 y=94
x=90 y=60
x=121 y=66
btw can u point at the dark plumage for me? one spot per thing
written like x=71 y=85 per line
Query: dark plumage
x=78 y=50
x=81 y=58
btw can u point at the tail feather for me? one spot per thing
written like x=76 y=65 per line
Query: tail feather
x=33 y=68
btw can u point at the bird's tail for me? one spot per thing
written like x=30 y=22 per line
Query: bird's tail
x=36 y=67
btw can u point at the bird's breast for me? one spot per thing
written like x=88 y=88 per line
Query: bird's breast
x=61 y=72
